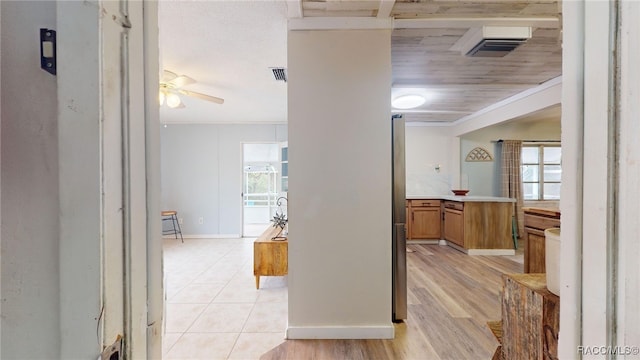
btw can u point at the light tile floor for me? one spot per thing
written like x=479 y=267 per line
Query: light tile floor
x=213 y=310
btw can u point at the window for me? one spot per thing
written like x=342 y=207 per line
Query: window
x=260 y=185
x=284 y=163
x=541 y=172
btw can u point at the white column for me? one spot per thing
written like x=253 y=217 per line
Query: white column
x=339 y=184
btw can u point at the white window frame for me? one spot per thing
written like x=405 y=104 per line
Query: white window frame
x=541 y=163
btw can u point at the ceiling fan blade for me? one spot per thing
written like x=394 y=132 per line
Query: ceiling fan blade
x=181 y=81
x=168 y=76
x=198 y=95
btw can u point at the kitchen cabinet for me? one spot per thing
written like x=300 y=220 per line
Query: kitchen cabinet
x=408 y=219
x=536 y=220
x=478 y=225
x=454 y=222
x=425 y=219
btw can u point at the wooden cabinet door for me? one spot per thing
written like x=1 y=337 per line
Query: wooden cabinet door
x=425 y=223
x=535 y=252
x=454 y=226
x=408 y=220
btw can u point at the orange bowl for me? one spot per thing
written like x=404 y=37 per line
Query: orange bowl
x=460 y=192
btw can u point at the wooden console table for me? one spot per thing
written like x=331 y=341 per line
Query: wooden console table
x=270 y=257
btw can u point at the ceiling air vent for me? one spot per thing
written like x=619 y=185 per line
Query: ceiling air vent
x=492 y=41
x=279 y=73
x=494 y=47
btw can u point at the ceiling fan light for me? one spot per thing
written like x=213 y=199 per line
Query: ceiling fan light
x=173 y=100
x=161 y=97
x=408 y=101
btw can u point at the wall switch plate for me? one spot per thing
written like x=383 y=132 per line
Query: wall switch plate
x=200 y=220
x=180 y=221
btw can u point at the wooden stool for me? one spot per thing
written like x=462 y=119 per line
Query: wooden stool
x=172 y=215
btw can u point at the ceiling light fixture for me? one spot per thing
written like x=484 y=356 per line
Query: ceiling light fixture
x=408 y=101
x=173 y=100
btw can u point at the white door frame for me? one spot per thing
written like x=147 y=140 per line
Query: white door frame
x=600 y=271
x=242 y=144
x=109 y=178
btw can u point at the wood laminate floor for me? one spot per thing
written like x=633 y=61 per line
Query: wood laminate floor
x=451 y=297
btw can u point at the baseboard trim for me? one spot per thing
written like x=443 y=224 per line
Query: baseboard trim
x=480 y=252
x=204 y=236
x=340 y=332
x=422 y=242
x=455 y=246
x=498 y=252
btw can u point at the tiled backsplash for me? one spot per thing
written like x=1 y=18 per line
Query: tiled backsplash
x=428 y=184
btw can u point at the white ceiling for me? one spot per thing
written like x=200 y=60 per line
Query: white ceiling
x=229 y=47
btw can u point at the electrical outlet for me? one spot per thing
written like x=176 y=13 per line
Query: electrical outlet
x=200 y=220
x=180 y=221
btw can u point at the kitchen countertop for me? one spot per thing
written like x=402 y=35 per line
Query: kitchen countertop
x=470 y=198
x=551 y=212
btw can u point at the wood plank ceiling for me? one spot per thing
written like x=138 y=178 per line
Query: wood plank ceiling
x=422 y=55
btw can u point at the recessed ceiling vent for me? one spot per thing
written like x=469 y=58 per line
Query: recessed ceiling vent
x=492 y=41
x=279 y=73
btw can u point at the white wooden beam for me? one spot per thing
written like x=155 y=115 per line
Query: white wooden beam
x=528 y=101
x=294 y=9
x=351 y=5
x=339 y=23
x=426 y=111
x=457 y=87
x=384 y=10
x=443 y=21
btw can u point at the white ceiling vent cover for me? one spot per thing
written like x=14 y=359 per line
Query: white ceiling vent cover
x=492 y=41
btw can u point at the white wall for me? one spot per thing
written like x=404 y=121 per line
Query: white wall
x=483 y=178
x=202 y=173
x=426 y=148
x=30 y=241
x=429 y=146
x=340 y=184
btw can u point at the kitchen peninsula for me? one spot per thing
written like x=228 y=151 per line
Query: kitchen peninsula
x=476 y=225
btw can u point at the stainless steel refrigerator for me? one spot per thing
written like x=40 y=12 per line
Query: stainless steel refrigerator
x=399 y=219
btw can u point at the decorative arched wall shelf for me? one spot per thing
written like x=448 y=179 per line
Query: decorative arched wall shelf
x=478 y=154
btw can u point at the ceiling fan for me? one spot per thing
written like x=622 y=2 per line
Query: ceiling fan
x=171 y=87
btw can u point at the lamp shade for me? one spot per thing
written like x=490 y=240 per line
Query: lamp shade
x=173 y=100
